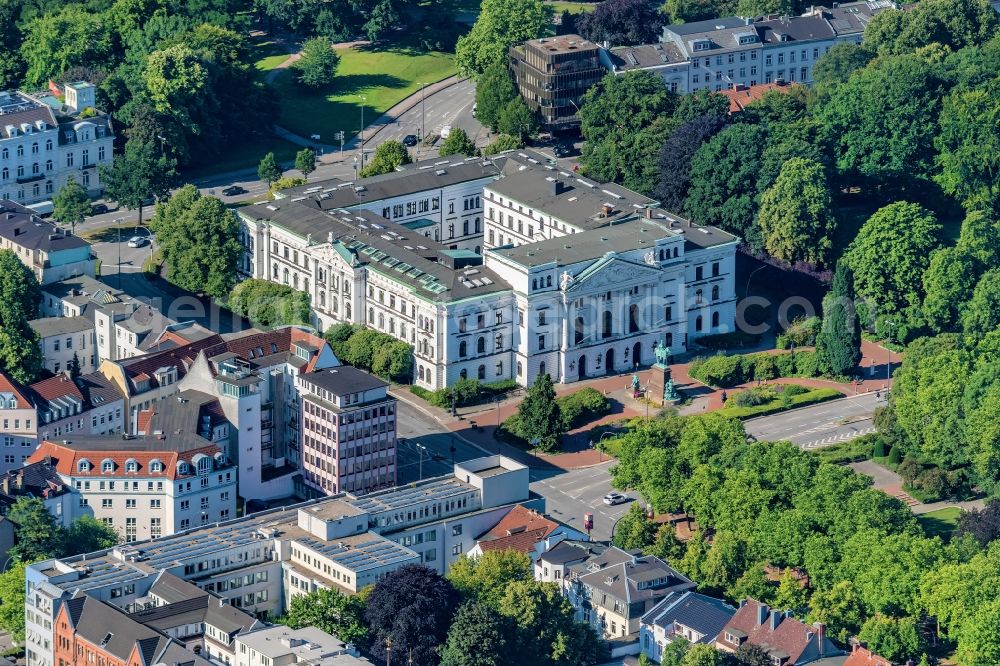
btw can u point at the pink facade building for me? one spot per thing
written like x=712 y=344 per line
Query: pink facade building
x=348 y=431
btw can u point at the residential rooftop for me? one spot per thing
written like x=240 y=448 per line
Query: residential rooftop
x=20 y=226
x=343 y=380
x=47 y=327
x=646 y=56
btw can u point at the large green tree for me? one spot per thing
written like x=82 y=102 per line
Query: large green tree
x=500 y=25
x=177 y=84
x=880 y=123
x=140 y=173
x=948 y=283
x=268 y=170
x=546 y=633
x=66 y=38
x=331 y=611
x=838 y=64
x=494 y=91
x=634 y=531
x=37 y=536
x=724 y=181
x=951 y=23
x=12 y=594
x=305 y=161
x=478 y=636
x=969 y=146
x=268 y=304
x=625 y=121
x=891 y=253
x=795 y=217
x=71 y=205
x=86 y=534
x=538 y=415
x=317 y=67
x=485 y=578
x=982 y=314
x=387 y=157
x=515 y=120
x=457 y=143
x=198 y=237
x=838 y=343
x=20 y=297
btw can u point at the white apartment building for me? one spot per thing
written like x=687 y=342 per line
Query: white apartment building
x=52 y=253
x=719 y=54
x=65 y=340
x=341 y=542
x=44 y=142
x=600 y=275
x=158 y=484
x=437 y=199
x=360 y=268
x=19 y=421
x=282 y=646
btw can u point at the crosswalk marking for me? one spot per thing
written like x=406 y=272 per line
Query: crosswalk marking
x=836 y=439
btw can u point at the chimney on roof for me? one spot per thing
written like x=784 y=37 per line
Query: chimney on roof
x=19 y=481
x=606 y=209
x=5 y=485
x=556 y=187
x=739 y=87
x=761 y=613
x=649 y=213
x=820 y=636
x=776 y=617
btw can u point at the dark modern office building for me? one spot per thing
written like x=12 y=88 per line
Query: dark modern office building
x=552 y=75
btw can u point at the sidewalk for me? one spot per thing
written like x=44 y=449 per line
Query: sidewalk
x=577 y=449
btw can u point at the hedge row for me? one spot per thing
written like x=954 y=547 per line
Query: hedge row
x=781 y=404
x=371 y=350
x=724 y=371
x=465 y=392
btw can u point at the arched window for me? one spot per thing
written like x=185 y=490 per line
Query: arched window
x=322 y=299
x=48 y=165
x=715 y=320
x=698 y=323
x=48 y=145
x=606 y=328
x=633 y=318
x=20 y=170
x=520 y=369
x=421 y=373
x=675 y=253
x=347 y=311
x=6 y=173
x=663 y=254
x=34 y=149
x=155 y=466
x=107 y=465
x=481 y=345
x=715 y=293
x=481 y=373
x=285 y=276
x=670 y=339
x=465 y=228
x=463 y=373
x=381 y=320
x=83 y=465
x=578 y=331
x=371 y=315
x=131 y=465
x=36 y=168
x=275 y=272
x=548 y=280
x=534 y=283
x=5 y=154
x=478 y=225
x=463 y=348
x=698 y=295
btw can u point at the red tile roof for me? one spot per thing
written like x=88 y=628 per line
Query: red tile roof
x=791 y=637
x=142 y=367
x=862 y=656
x=66 y=460
x=59 y=386
x=519 y=530
x=8 y=385
x=741 y=97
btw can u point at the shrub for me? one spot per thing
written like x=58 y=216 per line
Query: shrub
x=857 y=449
x=368 y=349
x=792 y=390
x=785 y=365
x=728 y=371
x=932 y=482
x=895 y=455
x=909 y=469
x=582 y=406
x=782 y=403
x=719 y=370
x=806 y=364
x=760 y=395
x=879 y=448
x=801 y=333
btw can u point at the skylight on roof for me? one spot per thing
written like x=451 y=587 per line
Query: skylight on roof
x=403 y=267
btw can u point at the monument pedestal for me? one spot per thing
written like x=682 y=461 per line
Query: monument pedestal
x=661 y=390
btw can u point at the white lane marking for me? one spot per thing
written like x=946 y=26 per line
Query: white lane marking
x=836 y=439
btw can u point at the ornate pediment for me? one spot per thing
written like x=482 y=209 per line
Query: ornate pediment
x=613 y=272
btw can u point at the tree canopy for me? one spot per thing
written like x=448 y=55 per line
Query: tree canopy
x=20 y=297
x=317 y=67
x=500 y=25
x=795 y=216
x=387 y=157
x=198 y=237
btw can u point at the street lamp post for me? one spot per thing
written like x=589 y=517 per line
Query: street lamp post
x=421 y=448
x=746 y=293
x=362 y=143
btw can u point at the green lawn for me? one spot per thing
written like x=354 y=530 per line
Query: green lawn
x=384 y=77
x=572 y=7
x=941 y=522
x=245 y=155
x=268 y=55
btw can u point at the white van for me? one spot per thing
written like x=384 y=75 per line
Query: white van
x=445 y=131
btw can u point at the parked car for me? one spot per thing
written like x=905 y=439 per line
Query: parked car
x=560 y=150
x=410 y=140
x=615 y=498
x=99 y=209
x=137 y=241
x=233 y=190
x=474 y=107
x=445 y=131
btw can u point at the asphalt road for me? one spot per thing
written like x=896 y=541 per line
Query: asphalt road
x=820 y=425
x=451 y=106
x=570 y=494
x=421 y=438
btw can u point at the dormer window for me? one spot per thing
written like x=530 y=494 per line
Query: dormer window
x=83 y=466
x=156 y=466
x=131 y=466
x=107 y=466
